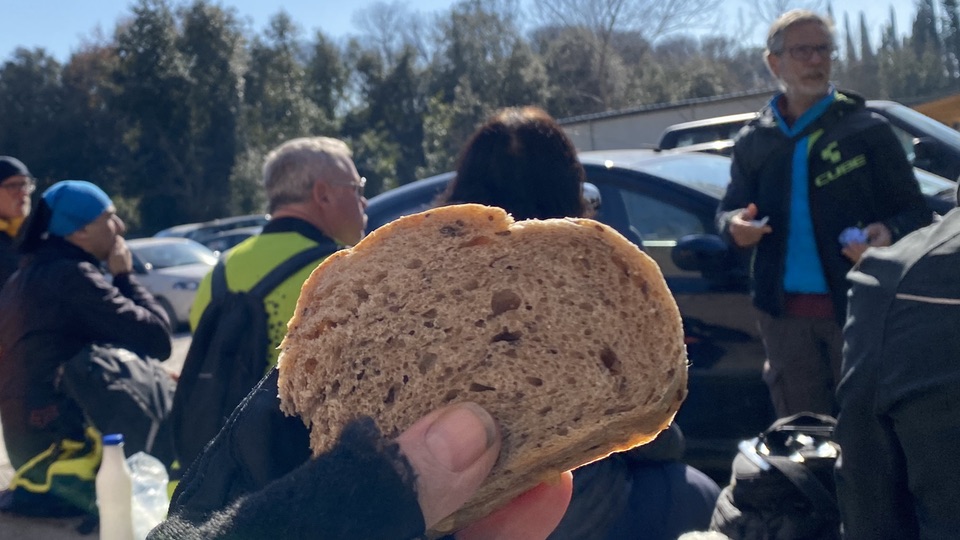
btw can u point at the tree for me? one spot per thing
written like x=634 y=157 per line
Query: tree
x=869 y=68
x=211 y=45
x=391 y=30
x=276 y=105
x=152 y=78
x=925 y=35
x=604 y=19
x=31 y=107
x=275 y=91
x=90 y=129
x=890 y=38
x=326 y=76
x=950 y=32
x=391 y=122
x=482 y=63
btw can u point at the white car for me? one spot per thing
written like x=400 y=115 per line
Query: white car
x=171 y=269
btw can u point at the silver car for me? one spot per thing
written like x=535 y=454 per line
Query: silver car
x=171 y=269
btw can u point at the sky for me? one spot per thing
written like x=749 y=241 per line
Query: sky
x=60 y=26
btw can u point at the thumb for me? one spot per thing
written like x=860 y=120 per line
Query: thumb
x=750 y=212
x=452 y=450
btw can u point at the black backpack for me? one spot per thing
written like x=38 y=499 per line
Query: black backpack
x=121 y=392
x=782 y=485
x=226 y=356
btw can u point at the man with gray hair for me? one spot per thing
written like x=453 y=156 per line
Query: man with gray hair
x=314 y=197
x=816 y=179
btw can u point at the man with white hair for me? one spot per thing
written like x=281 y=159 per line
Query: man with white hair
x=816 y=179
x=315 y=197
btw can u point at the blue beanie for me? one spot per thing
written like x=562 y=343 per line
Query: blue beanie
x=73 y=204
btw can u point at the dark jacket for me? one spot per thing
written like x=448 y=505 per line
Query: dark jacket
x=858 y=174
x=646 y=493
x=8 y=257
x=256 y=480
x=256 y=477
x=58 y=303
x=899 y=394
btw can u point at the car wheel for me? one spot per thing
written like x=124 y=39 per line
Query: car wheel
x=171 y=315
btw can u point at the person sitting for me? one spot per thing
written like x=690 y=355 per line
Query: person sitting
x=57 y=304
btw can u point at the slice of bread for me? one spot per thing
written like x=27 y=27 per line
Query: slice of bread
x=562 y=329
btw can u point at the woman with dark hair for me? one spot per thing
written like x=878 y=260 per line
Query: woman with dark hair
x=57 y=304
x=522 y=161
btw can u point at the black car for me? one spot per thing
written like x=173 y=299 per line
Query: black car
x=929 y=144
x=665 y=202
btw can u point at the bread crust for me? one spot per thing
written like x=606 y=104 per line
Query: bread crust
x=562 y=329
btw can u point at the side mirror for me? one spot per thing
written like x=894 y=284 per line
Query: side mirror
x=592 y=194
x=706 y=253
x=723 y=266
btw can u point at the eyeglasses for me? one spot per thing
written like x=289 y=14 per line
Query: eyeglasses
x=804 y=53
x=359 y=185
x=22 y=185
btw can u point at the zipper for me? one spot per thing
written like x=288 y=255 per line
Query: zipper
x=929 y=299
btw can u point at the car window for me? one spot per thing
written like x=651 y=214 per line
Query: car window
x=168 y=255
x=936 y=129
x=657 y=220
x=707 y=134
x=707 y=174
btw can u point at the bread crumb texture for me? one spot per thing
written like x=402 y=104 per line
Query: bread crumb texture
x=562 y=329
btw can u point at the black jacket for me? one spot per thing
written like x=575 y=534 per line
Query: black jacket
x=899 y=394
x=858 y=174
x=256 y=480
x=8 y=257
x=59 y=302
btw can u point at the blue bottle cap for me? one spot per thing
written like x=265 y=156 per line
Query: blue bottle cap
x=113 y=439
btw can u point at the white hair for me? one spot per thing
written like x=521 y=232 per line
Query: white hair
x=291 y=168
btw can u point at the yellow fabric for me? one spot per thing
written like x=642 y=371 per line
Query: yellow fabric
x=11 y=226
x=69 y=460
x=246 y=265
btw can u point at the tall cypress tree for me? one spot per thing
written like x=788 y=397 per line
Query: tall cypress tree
x=869 y=68
x=950 y=25
x=925 y=34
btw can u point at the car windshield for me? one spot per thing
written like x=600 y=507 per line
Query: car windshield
x=705 y=173
x=938 y=130
x=166 y=255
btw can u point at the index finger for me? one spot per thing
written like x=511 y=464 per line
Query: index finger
x=531 y=516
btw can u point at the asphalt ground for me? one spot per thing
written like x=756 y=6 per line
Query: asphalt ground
x=14 y=527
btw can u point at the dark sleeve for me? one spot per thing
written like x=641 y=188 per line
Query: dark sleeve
x=897 y=189
x=123 y=314
x=741 y=191
x=8 y=258
x=250 y=484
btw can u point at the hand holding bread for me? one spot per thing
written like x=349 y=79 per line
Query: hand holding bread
x=563 y=330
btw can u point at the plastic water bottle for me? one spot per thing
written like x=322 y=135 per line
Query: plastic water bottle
x=114 y=491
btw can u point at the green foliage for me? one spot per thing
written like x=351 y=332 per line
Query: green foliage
x=30 y=107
